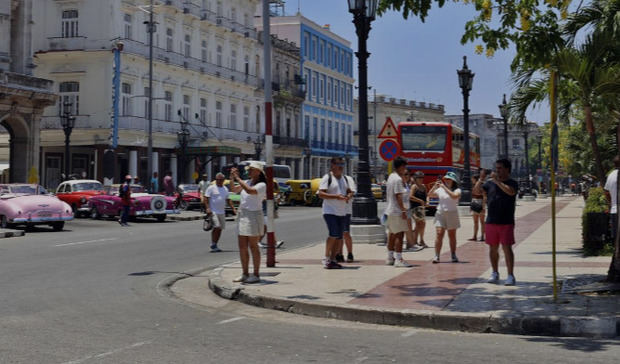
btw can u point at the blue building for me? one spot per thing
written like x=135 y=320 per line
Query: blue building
x=327 y=112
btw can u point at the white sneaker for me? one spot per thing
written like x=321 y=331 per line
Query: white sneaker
x=262 y=245
x=510 y=280
x=240 y=279
x=436 y=259
x=494 y=278
x=389 y=261
x=252 y=279
x=279 y=243
x=401 y=263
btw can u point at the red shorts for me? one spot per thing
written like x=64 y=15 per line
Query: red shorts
x=500 y=234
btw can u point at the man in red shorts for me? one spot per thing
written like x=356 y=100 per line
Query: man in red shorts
x=501 y=192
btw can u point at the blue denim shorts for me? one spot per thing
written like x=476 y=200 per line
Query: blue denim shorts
x=335 y=225
x=347 y=224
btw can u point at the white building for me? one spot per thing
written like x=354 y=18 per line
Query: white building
x=485 y=126
x=207 y=62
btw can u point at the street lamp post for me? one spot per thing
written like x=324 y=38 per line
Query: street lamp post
x=466 y=79
x=67 y=121
x=364 y=204
x=540 y=166
x=258 y=148
x=526 y=133
x=183 y=137
x=149 y=151
x=503 y=110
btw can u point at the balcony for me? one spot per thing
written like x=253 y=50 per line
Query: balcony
x=289 y=90
x=283 y=140
x=25 y=82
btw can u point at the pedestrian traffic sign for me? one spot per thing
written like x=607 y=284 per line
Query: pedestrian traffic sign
x=389 y=130
x=389 y=149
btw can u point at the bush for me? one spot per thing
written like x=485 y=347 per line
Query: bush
x=596 y=203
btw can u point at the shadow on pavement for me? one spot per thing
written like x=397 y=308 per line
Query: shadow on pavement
x=588 y=345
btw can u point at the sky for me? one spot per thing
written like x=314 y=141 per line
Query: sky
x=418 y=61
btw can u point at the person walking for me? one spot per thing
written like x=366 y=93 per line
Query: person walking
x=335 y=193
x=168 y=184
x=155 y=183
x=396 y=211
x=215 y=199
x=250 y=218
x=202 y=188
x=478 y=205
x=409 y=234
x=611 y=193
x=417 y=198
x=125 y=195
x=447 y=215
x=501 y=192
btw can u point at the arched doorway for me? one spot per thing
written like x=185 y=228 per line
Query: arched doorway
x=19 y=148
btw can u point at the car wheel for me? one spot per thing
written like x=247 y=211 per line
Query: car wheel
x=183 y=205
x=161 y=218
x=94 y=214
x=293 y=202
x=58 y=225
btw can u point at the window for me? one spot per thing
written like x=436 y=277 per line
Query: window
x=246 y=20
x=307 y=81
x=516 y=143
x=335 y=62
x=314 y=93
x=257 y=119
x=69 y=94
x=328 y=56
x=146 y=102
x=127 y=18
x=336 y=92
x=219 y=56
x=233 y=116
x=329 y=131
x=218 y=114
x=233 y=60
x=322 y=88
x=203 y=50
x=203 y=110
x=188 y=45
x=233 y=14
x=341 y=68
x=349 y=135
x=342 y=136
x=315 y=134
x=69 y=24
x=321 y=51
x=336 y=134
x=187 y=101
x=246 y=118
x=322 y=130
x=305 y=44
x=342 y=95
x=219 y=9
x=315 y=42
x=126 y=98
x=247 y=64
x=169 y=35
x=168 y=105
x=329 y=90
x=307 y=128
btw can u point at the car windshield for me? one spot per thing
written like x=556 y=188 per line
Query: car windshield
x=21 y=189
x=424 y=137
x=137 y=189
x=87 y=186
x=189 y=188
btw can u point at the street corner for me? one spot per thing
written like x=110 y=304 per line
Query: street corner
x=10 y=233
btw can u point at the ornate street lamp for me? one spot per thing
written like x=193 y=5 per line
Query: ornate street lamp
x=503 y=111
x=364 y=204
x=466 y=79
x=183 y=137
x=258 y=148
x=67 y=121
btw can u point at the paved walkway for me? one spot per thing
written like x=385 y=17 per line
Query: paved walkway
x=368 y=290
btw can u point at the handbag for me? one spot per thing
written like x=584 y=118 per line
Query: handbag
x=207 y=224
x=476 y=206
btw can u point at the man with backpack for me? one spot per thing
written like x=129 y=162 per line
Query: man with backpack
x=336 y=193
x=125 y=195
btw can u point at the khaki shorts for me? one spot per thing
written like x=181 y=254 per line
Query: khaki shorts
x=219 y=221
x=448 y=220
x=396 y=224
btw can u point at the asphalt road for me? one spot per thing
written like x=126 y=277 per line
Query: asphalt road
x=94 y=294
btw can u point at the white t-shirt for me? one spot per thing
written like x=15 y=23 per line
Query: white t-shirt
x=217 y=198
x=395 y=185
x=202 y=186
x=447 y=203
x=253 y=202
x=352 y=187
x=611 y=186
x=405 y=197
x=337 y=187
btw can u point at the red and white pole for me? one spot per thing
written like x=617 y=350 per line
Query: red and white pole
x=271 y=239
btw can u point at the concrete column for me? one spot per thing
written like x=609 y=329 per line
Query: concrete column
x=133 y=163
x=210 y=171
x=173 y=168
x=155 y=163
x=237 y=160
x=222 y=162
x=189 y=171
x=34 y=150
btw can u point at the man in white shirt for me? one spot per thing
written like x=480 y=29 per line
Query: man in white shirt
x=611 y=192
x=216 y=197
x=396 y=211
x=335 y=192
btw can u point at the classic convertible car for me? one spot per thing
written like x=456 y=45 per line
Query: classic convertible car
x=190 y=196
x=142 y=204
x=29 y=204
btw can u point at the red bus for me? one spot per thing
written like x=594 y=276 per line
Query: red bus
x=436 y=148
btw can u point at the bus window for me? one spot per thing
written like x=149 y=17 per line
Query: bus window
x=281 y=171
x=423 y=137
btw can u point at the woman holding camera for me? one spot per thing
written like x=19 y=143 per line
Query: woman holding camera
x=447 y=215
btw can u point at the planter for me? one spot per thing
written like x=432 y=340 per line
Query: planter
x=597 y=230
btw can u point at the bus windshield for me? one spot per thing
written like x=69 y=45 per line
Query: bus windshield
x=280 y=171
x=424 y=137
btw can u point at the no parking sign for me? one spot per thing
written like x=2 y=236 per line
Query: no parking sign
x=389 y=150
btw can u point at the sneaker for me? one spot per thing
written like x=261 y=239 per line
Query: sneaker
x=332 y=265
x=215 y=249
x=252 y=279
x=339 y=258
x=389 y=261
x=494 y=278
x=402 y=264
x=436 y=259
x=510 y=280
x=350 y=257
x=455 y=259
x=482 y=238
x=279 y=243
x=262 y=245
x=416 y=248
x=423 y=244
x=240 y=279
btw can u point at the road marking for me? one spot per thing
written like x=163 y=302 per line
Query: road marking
x=409 y=333
x=86 y=242
x=108 y=353
x=230 y=320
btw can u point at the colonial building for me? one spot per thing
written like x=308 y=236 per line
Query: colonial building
x=383 y=107
x=22 y=96
x=327 y=71
x=485 y=126
x=516 y=145
x=207 y=103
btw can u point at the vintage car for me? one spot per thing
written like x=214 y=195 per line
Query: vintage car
x=142 y=204
x=77 y=193
x=189 y=196
x=29 y=204
x=297 y=192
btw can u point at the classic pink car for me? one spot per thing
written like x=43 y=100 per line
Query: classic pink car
x=142 y=204
x=28 y=204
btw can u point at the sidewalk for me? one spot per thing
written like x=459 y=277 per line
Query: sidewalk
x=10 y=233
x=450 y=296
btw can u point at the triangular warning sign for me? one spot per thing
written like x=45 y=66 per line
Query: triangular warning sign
x=389 y=130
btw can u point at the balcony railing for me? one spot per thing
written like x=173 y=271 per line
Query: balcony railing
x=283 y=140
x=24 y=81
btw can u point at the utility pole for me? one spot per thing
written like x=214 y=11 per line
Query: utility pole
x=149 y=151
x=271 y=239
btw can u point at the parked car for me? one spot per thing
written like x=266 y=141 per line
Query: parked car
x=30 y=204
x=298 y=188
x=189 y=196
x=142 y=204
x=77 y=193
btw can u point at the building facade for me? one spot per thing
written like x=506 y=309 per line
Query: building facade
x=206 y=84
x=485 y=126
x=383 y=107
x=23 y=97
x=516 y=145
x=326 y=66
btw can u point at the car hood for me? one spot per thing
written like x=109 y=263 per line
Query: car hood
x=30 y=202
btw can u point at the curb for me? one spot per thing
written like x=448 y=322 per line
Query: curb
x=11 y=233
x=185 y=218
x=497 y=323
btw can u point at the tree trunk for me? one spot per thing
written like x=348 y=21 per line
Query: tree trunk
x=600 y=173
x=613 y=275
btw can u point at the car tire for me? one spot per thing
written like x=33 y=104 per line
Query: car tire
x=161 y=218
x=58 y=225
x=158 y=204
x=94 y=213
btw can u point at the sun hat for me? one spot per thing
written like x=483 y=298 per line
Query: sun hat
x=418 y=174
x=452 y=176
x=255 y=165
